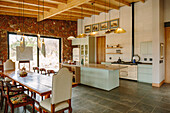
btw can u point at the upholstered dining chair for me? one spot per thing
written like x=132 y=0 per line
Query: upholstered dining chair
x=61 y=93
x=17 y=98
x=9 y=65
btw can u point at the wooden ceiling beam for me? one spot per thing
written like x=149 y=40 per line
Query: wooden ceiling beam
x=142 y=1
x=124 y=2
x=17 y=14
x=9 y=4
x=60 y=1
x=62 y=8
x=99 y=2
x=35 y=2
x=92 y=8
x=63 y=16
x=19 y=11
x=75 y=14
x=85 y=11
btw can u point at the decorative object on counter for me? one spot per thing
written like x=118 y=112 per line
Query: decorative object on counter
x=161 y=51
x=81 y=35
x=119 y=60
x=136 y=58
x=95 y=27
x=119 y=29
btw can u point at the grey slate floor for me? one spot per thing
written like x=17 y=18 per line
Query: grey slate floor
x=130 y=97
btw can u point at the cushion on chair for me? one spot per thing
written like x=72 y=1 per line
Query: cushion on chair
x=21 y=98
x=47 y=105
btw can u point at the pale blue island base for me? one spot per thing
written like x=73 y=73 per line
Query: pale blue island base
x=100 y=76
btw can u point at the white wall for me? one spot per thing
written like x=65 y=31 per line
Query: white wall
x=143 y=29
x=149 y=26
x=166 y=10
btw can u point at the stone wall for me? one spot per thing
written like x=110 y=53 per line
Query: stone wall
x=53 y=28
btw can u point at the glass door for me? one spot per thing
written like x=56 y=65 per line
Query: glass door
x=51 y=61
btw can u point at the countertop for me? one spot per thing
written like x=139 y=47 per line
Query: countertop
x=100 y=66
x=104 y=66
x=130 y=63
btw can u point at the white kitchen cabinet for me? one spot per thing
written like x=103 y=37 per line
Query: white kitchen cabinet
x=129 y=73
x=80 y=41
x=87 y=49
x=145 y=73
x=146 y=48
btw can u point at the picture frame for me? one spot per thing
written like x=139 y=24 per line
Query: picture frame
x=103 y=26
x=161 y=51
x=114 y=23
x=87 y=29
x=95 y=27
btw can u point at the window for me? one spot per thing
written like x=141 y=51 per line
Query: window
x=53 y=45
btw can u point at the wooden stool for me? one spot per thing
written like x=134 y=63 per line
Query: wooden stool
x=50 y=71
x=43 y=69
x=36 y=68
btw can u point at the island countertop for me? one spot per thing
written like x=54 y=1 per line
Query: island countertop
x=104 y=66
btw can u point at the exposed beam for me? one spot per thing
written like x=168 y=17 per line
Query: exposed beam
x=124 y=2
x=35 y=2
x=63 y=16
x=19 y=11
x=85 y=11
x=20 y=5
x=99 y=2
x=16 y=14
x=92 y=7
x=75 y=14
x=35 y=16
x=60 y=1
x=61 y=8
x=142 y=1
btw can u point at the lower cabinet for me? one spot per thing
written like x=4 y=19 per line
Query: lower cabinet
x=145 y=73
x=129 y=73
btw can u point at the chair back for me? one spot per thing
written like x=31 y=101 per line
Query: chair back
x=61 y=86
x=9 y=65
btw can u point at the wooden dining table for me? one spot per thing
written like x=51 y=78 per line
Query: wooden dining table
x=35 y=82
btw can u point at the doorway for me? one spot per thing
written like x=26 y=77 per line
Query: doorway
x=100 y=49
x=167 y=54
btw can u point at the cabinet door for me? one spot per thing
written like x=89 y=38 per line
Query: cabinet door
x=143 y=48
x=149 y=48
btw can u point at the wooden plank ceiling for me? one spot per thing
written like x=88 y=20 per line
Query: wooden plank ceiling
x=60 y=9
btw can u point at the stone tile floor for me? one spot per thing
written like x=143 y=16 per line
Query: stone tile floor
x=130 y=97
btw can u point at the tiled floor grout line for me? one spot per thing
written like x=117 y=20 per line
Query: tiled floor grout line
x=136 y=103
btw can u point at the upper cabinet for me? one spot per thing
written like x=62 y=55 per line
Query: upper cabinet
x=80 y=41
x=146 y=48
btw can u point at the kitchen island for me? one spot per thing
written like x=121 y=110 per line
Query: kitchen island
x=101 y=76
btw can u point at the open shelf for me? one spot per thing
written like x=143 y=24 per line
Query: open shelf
x=114 y=53
x=114 y=47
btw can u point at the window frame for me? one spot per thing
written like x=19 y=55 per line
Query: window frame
x=8 y=33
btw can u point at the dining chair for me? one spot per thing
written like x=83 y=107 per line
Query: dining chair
x=50 y=72
x=3 y=90
x=16 y=98
x=9 y=65
x=36 y=68
x=61 y=93
x=43 y=70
